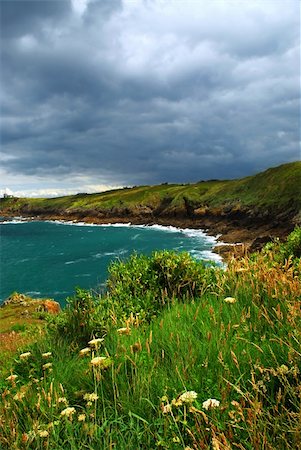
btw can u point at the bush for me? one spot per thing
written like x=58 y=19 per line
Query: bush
x=291 y=248
x=293 y=243
x=79 y=321
x=145 y=284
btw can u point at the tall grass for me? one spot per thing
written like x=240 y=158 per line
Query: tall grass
x=234 y=339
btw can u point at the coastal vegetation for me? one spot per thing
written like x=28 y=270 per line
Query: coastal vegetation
x=275 y=191
x=174 y=355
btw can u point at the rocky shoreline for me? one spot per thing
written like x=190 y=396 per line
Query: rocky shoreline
x=237 y=232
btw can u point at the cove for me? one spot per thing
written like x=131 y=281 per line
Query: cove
x=50 y=258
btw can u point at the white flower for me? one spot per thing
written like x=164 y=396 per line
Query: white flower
x=125 y=330
x=46 y=355
x=84 y=351
x=68 y=412
x=47 y=366
x=166 y=408
x=188 y=397
x=95 y=342
x=62 y=400
x=230 y=300
x=211 y=403
x=100 y=361
x=81 y=417
x=25 y=355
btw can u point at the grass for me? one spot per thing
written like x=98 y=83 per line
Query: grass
x=276 y=189
x=147 y=379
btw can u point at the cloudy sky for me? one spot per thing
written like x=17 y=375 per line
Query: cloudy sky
x=104 y=93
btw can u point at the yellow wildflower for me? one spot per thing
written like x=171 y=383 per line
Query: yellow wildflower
x=84 y=351
x=47 y=366
x=176 y=402
x=62 y=400
x=46 y=355
x=43 y=433
x=95 y=342
x=101 y=362
x=68 y=412
x=91 y=397
x=19 y=395
x=283 y=369
x=81 y=417
x=188 y=397
x=125 y=330
x=12 y=377
x=230 y=300
x=25 y=355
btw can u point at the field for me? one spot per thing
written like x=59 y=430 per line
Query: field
x=176 y=355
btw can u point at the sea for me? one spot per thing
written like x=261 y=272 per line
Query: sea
x=49 y=259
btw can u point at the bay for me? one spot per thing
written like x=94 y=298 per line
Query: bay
x=49 y=259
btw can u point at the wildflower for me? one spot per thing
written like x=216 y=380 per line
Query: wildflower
x=43 y=433
x=12 y=377
x=211 y=403
x=25 y=355
x=91 y=397
x=84 y=351
x=230 y=300
x=68 y=412
x=19 y=396
x=177 y=402
x=125 y=330
x=95 y=342
x=283 y=369
x=46 y=355
x=164 y=398
x=62 y=400
x=101 y=362
x=166 y=408
x=81 y=417
x=188 y=397
x=47 y=366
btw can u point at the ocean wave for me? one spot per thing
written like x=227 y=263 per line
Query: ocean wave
x=75 y=261
x=13 y=221
x=189 y=232
x=206 y=255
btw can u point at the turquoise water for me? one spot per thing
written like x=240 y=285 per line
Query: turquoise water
x=49 y=259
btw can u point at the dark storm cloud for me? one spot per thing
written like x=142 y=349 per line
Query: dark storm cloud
x=150 y=91
x=19 y=17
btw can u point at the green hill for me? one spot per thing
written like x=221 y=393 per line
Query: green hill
x=276 y=187
x=270 y=196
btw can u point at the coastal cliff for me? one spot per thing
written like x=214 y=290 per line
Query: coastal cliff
x=251 y=210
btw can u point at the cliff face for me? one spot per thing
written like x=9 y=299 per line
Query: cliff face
x=262 y=206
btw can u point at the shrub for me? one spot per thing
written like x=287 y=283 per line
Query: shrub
x=293 y=243
x=145 y=284
x=79 y=321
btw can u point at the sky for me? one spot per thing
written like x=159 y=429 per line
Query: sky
x=98 y=94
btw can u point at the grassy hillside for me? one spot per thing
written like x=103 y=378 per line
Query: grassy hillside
x=175 y=355
x=276 y=189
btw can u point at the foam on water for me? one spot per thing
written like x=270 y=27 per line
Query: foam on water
x=49 y=258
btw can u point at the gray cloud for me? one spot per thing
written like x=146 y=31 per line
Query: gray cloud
x=145 y=92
